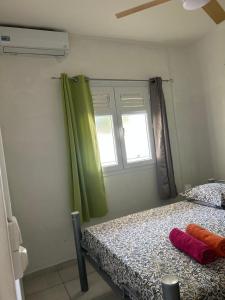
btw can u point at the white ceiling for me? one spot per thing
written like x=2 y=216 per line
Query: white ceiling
x=165 y=23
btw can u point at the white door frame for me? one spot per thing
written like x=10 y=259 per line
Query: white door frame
x=7 y=281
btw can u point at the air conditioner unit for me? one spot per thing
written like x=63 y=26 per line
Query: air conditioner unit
x=15 y=40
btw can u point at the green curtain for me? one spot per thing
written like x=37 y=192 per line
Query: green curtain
x=88 y=191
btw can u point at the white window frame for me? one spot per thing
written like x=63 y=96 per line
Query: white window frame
x=112 y=88
x=102 y=89
x=142 y=162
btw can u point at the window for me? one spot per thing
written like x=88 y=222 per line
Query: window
x=136 y=137
x=122 y=116
x=106 y=140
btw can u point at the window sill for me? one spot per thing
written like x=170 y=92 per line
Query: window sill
x=130 y=169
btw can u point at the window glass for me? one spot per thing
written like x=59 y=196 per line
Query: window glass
x=106 y=140
x=136 y=137
x=123 y=124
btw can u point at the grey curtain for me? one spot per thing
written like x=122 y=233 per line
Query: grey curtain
x=164 y=164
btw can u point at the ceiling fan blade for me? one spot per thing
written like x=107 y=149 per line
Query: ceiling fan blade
x=215 y=11
x=139 y=8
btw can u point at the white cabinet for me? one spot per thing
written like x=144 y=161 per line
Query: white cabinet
x=13 y=256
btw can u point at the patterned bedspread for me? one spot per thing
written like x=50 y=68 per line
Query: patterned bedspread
x=135 y=250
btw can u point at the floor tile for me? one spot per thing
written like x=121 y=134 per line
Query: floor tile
x=70 y=272
x=66 y=264
x=89 y=267
x=55 y=293
x=42 y=282
x=97 y=288
x=107 y=296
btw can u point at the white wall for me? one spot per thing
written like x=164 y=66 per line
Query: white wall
x=190 y=114
x=31 y=114
x=210 y=57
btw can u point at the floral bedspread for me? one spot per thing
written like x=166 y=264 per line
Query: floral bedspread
x=135 y=251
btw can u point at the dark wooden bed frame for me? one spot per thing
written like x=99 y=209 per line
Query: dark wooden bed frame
x=170 y=291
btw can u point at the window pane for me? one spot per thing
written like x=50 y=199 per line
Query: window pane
x=136 y=137
x=106 y=140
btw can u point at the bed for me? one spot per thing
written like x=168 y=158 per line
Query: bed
x=133 y=253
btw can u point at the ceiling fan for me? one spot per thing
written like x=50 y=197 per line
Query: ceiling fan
x=211 y=7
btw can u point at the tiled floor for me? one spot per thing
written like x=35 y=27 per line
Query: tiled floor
x=62 y=283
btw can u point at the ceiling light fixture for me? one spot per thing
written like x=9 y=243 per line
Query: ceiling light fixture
x=194 y=4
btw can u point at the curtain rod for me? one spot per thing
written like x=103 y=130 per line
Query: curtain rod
x=113 y=79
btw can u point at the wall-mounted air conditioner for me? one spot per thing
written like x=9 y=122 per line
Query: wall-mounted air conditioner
x=15 y=40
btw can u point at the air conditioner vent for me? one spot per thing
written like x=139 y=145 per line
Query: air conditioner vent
x=20 y=50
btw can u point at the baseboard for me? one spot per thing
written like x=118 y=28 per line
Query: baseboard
x=51 y=268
